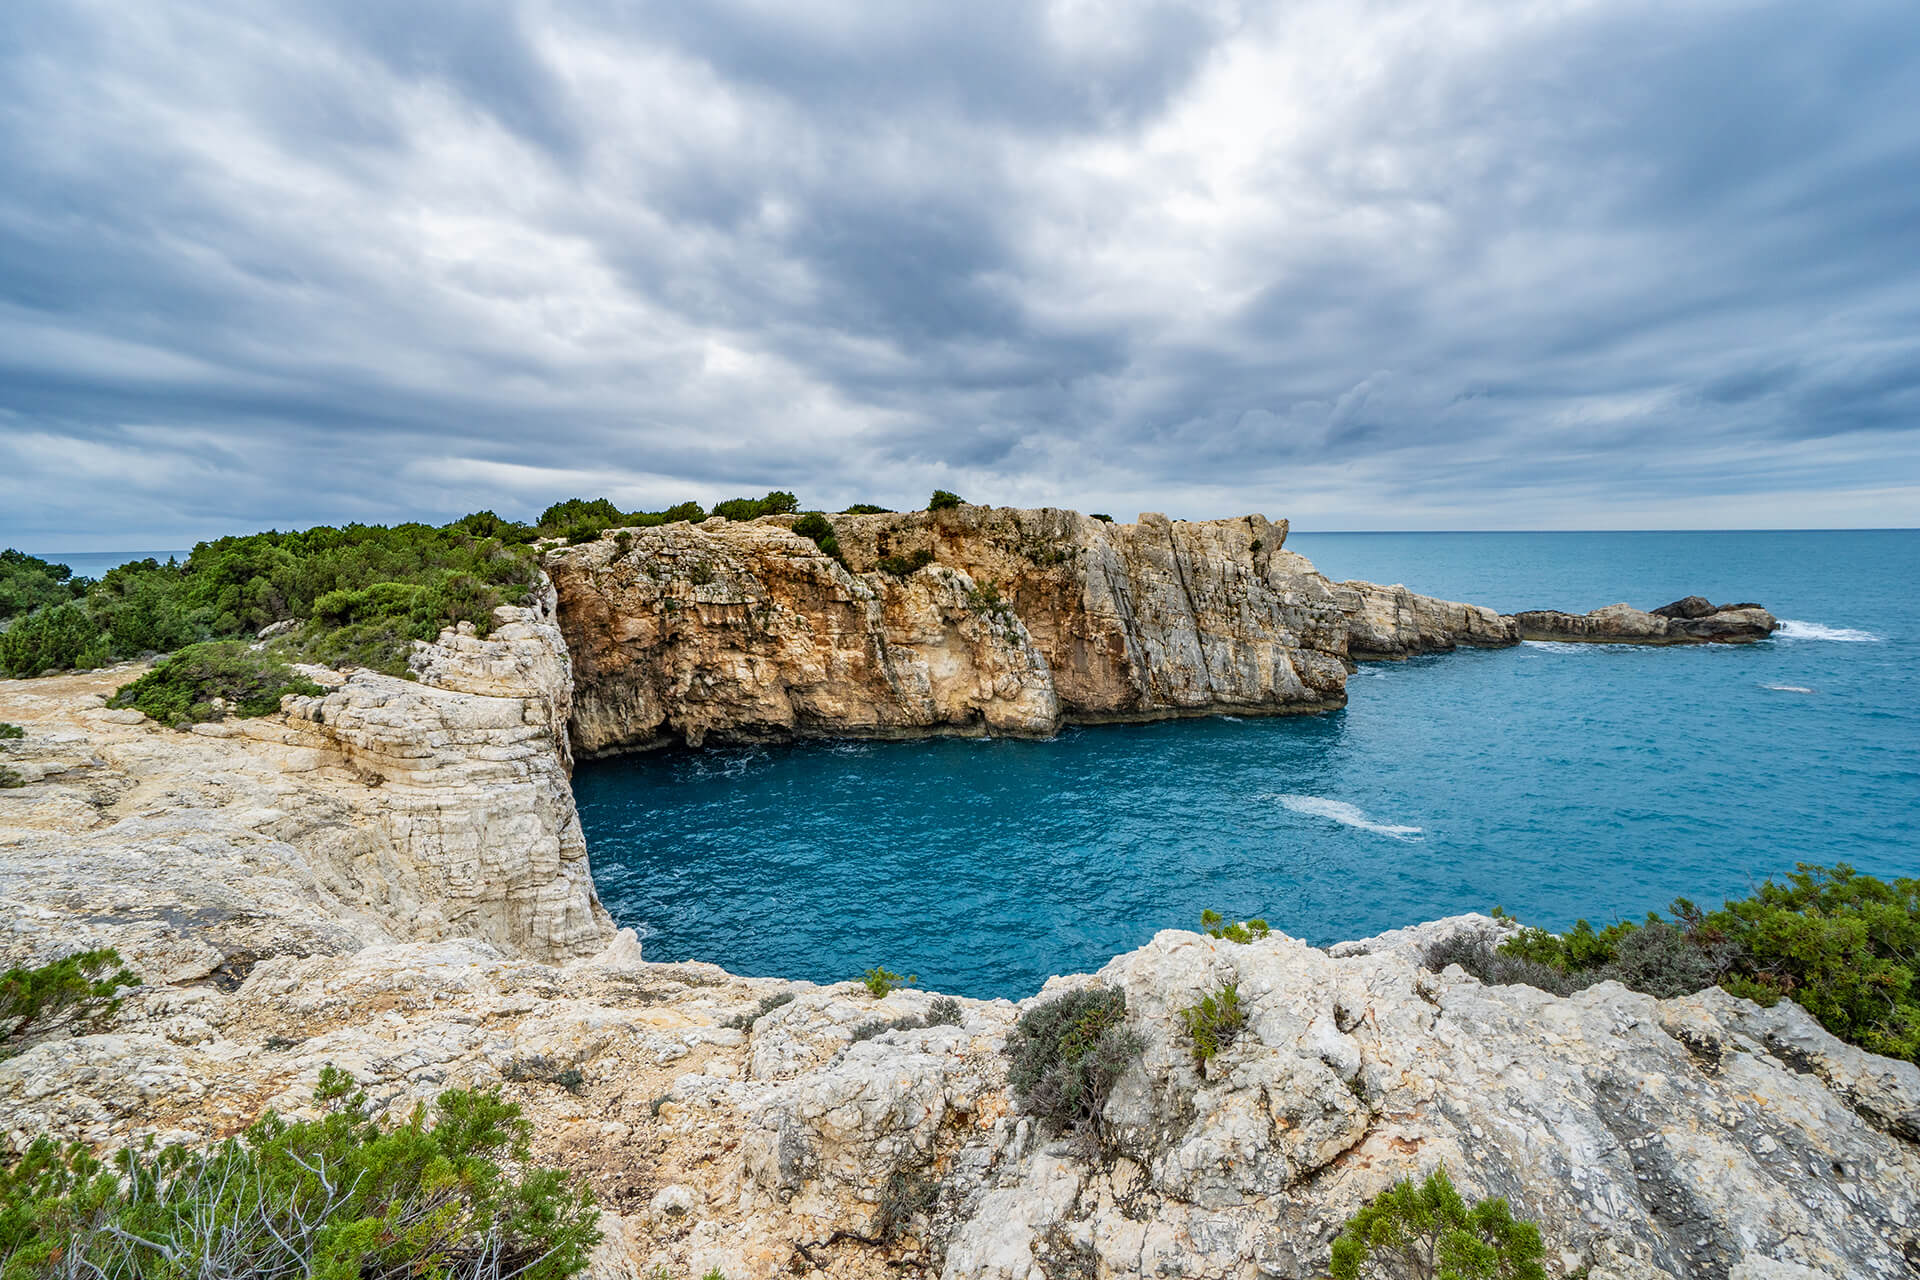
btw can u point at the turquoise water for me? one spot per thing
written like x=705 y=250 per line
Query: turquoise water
x=1557 y=781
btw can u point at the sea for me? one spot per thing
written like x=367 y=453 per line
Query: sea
x=1555 y=781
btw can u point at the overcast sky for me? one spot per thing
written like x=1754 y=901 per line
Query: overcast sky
x=1361 y=264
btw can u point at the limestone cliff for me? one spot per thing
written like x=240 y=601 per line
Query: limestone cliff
x=971 y=620
x=387 y=810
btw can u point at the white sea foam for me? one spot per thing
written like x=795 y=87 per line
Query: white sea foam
x=1792 y=629
x=1577 y=646
x=1347 y=815
x=1787 y=688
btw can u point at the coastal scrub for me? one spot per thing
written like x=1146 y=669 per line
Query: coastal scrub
x=1840 y=944
x=339 y=1198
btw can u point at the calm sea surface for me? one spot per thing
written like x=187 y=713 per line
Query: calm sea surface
x=1554 y=780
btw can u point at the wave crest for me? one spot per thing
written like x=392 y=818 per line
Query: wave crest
x=1793 y=629
x=1347 y=815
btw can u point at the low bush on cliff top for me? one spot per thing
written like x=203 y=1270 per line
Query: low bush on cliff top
x=211 y=681
x=1068 y=1052
x=77 y=990
x=942 y=500
x=338 y=1198
x=1215 y=1022
x=1426 y=1231
x=1843 y=945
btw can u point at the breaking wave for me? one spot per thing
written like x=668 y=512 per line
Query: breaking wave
x=1792 y=629
x=1347 y=815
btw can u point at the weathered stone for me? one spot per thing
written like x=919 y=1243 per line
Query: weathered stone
x=1689 y=621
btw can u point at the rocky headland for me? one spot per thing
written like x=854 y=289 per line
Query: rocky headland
x=390 y=877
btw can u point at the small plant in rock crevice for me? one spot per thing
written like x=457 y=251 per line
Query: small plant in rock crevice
x=1214 y=925
x=1215 y=1022
x=11 y=732
x=880 y=980
x=11 y=779
x=1068 y=1052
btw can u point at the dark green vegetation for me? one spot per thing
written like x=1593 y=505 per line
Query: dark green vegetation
x=943 y=501
x=338 y=1198
x=80 y=989
x=880 y=980
x=211 y=681
x=1068 y=1052
x=1214 y=925
x=866 y=509
x=358 y=595
x=901 y=566
x=1843 y=945
x=28 y=582
x=1214 y=1023
x=10 y=731
x=1428 y=1232
x=1102 y=517
x=820 y=529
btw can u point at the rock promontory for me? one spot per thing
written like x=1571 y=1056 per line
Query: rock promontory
x=390 y=878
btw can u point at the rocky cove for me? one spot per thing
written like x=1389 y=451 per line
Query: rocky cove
x=390 y=877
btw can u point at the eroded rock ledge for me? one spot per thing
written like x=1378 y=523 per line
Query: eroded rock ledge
x=966 y=621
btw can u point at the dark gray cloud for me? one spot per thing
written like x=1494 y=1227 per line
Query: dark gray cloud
x=1378 y=265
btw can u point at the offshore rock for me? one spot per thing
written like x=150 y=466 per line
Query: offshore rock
x=1393 y=622
x=1690 y=621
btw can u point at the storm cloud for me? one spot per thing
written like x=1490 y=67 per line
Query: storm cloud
x=1457 y=264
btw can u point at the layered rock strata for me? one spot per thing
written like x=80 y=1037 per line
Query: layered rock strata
x=1693 y=620
x=385 y=810
x=972 y=620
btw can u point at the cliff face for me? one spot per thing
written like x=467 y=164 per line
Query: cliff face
x=1013 y=622
x=386 y=810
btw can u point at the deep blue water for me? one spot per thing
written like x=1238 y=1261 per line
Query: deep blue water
x=1556 y=781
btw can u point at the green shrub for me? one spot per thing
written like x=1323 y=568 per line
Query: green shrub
x=779 y=502
x=575 y=512
x=338 y=1198
x=182 y=689
x=28 y=583
x=1428 y=1232
x=1214 y=925
x=50 y=639
x=11 y=779
x=1215 y=1022
x=901 y=566
x=943 y=500
x=1068 y=1052
x=1102 y=517
x=986 y=599
x=866 y=509
x=139 y=608
x=11 y=731
x=79 y=989
x=879 y=981
x=817 y=527
x=1841 y=944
